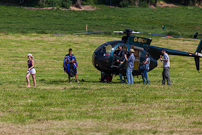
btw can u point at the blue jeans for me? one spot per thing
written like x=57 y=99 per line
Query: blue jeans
x=129 y=75
x=120 y=75
x=144 y=75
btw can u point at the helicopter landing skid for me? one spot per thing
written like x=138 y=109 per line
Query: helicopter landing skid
x=115 y=66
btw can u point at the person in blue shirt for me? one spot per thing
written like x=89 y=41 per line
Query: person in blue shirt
x=68 y=61
x=146 y=63
x=166 y=67
x=130 y=65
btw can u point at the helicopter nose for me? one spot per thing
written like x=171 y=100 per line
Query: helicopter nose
x=101 y=62
x=95 y=60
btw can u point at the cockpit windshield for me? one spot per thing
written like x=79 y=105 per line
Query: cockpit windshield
x=104 y=50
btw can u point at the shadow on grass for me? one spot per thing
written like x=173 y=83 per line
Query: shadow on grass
x=52 y=81
x=80 y=81
x=89 y=81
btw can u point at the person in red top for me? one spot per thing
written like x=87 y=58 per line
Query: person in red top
x=30 y=70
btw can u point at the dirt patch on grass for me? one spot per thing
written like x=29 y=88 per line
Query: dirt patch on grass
x=163 y=4
x=85 y=7
x=89 y=126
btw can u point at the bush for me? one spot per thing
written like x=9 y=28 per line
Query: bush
x=54 y=3
x=124 y=3
x=143 y=4
x=66 y=3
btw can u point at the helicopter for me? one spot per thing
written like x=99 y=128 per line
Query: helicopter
x=102 y=58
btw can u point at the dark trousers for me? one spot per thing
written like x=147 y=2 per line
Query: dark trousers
x=115 y=58
x=166 y=75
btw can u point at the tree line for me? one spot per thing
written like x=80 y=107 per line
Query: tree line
x=78 y=3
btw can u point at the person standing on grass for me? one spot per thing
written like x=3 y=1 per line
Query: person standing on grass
x=166 y=67
x=30 y=70
x=70 y=65
x=118 y=57
x=146 y=63
x=130 y=66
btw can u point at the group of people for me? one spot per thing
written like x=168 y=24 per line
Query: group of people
x=120 y=55
x=70 y=66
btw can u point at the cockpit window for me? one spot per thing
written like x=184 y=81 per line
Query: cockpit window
x=104 y=50
x=108 y=48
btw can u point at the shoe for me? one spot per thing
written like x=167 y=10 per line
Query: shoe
x=148 y=83
x=78 y=82
x=169 y=84
x=70 y=82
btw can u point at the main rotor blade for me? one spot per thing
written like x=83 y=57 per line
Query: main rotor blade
x=161 y=35
x=84 y=33
x=133 y=32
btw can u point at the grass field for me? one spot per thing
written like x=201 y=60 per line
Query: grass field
x=182 y=21
x=91 y=107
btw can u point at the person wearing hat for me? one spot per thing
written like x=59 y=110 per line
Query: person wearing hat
x=130 y=65
x=145 y=64
x=30 y=70
x=166 y=67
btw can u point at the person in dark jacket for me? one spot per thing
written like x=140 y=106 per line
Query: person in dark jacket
x=118 y=57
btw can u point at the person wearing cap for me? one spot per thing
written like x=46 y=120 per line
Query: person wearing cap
x=145 y=64
x=166 y=67
x=68 y=61
x=30 y=70
x=130 y=65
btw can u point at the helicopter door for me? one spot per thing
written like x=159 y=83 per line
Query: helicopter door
x=137 y=56
x=115 y=54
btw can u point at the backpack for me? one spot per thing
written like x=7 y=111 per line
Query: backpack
x=71 y=67
x=72 y=70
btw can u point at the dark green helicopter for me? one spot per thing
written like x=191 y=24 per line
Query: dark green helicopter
x=103 y=55
x=102 y=58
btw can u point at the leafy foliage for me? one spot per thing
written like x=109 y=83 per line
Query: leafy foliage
x=121 y=3
x=124 y=3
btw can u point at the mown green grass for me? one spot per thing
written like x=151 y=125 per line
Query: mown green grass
x=91 y=107
x=184 y=21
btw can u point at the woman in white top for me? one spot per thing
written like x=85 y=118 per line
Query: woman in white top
x=30 y=70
